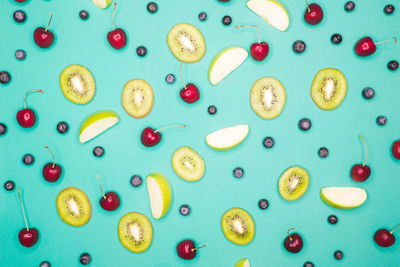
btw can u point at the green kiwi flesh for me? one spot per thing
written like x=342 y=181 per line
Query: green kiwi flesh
x=267 y=97
x=135 y=232
x=329 y=88
x=238 y=226
x=188 y=164
x=137 y=98
x=186 y=43
x=73 y=206
x=77 y=84
x=293 y=183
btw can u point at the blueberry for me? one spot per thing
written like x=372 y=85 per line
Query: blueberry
x=332 y=219
x=184 y=210
x=28 y=159
x=263 y=204
x=136 y=180
x=389 y=9
x=85 y=258
x=45 y=264
x=304 y=124
x=20 y=54
x=19 y=16
x=5 y=77
x=368 y=93
x=141 y=51
x=152 y=7
x=98 y=151
x=299 y=46
x=84 y=15
x=323 y=152
x=308 y=264
x=349 y=6
x=393 y=65
x=268 y=142
x=3 y=128
x=226 y=20
x=212 y=110
x=338 y=255
x=381 y=120
x=238 y=172
x=203 y=16
x=170 y=78
x=336 y=38
x=9 y=185
x=62 y=127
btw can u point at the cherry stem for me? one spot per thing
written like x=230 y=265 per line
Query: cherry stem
x=23 y=210
x=393 y=38
x=54 y=159
x=391 y=232
x=258 y=31
x=193 y=249
x=290 y=229
x=115 y=5
x=308 y=7
x=366 y=150
x=183 y=126
x=48 y=25
x=180 y=75
x=101 y=188
x=27 y=93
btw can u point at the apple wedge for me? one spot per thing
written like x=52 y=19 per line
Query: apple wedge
x=343 y=197
x=96 y=124
x=160 y=194
x=272 y=11
x=225 y=62
x=227 y=138
x=102 y=3
x=243 y=263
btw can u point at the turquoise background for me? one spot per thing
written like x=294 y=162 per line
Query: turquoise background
x=84 y=42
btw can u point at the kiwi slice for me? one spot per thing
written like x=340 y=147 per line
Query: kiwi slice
x=293 y=183
x=328 y=88
x=77 y=84
x=135 y=232
x=73 y=206
x=137 y=98
x=238 y=226
x=186 y=43
x=188 y=164
x=267 y=97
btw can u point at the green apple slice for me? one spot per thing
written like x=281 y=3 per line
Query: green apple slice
x=160 y=194
x=272 y=11
x=243 y=263
x=227 y=138
x=102 y=3
x=225 y=62
x=343 y=197
x=96 y=124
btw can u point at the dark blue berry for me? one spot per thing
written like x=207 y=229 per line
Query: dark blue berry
x=28 y=159
x=349 y=6
x=3 y=128
x=84 y=15
x=136 y=180
x=389 y=9
x=212 y=110
x=332 y=219
x=45 y=264
x=238 y=172
x=62 y=127
x=9 y=185
x=263 y=204
x=299 y=46
x=5 y=77
x=19 y=16
x=141 y=51
x=336 y=38
x=85 y=258
x=381 y=120
x=323 y=152
x=152 y=7
x=170 y=78
x=98 y=151
x=393 y=65
x=338 y=255
x=268 y=142
x=368 y=93
x=184 y=210
x=20 y=54
x=226 y=20
x=304 y=124
x=308 y=264
x=203 y=16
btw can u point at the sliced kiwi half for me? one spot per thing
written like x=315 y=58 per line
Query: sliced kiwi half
x=73 y=206
x=188 y=164
x=238 y=226
x=186 y=43
x=293 y=183
x=328 y=88
x=137 y=98
x=77 y=84
x=267 y=97
x=135 y=232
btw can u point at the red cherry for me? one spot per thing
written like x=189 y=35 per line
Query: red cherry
x=43 y=37
x=360 y=173
x=20 y=1
x=150 y=137
x=187 y=250
x=224 y=0
x=28 y=237
x=365 y=47
x=384 y=238
x=26 y=117
x=117 y=37
x=259 y=51
x=51 y=171
x=293 y=242
x=313 y=14
x=190 y=93
x=396 y=149
x=110 y=201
